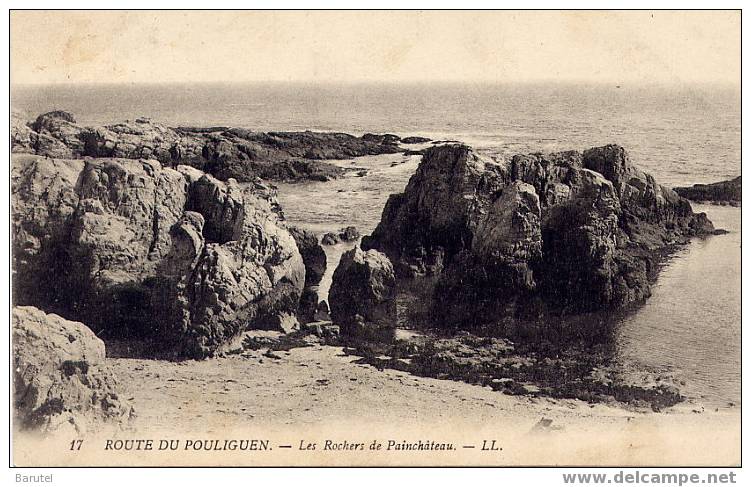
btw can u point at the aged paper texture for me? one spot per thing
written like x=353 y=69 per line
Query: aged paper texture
x=376 y=238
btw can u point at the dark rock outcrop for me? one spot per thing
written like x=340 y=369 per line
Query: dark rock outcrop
x=224 y=152
x=135 y=249
x=415 y=140
x=312 y=253
x=231 y=264
x=721 y=193
x=533 y=236
x=363 y=295
x=60 y=381
x=518 y=369
x=314 y=258
x=349 y=234
x=389 y=139
x=330 y=238
x=346 y=234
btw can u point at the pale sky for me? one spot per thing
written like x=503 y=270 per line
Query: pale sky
x=612 y=47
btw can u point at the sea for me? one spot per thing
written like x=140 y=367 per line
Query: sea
x=683 y=134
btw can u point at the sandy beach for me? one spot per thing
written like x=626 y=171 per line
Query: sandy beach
x=313 y=394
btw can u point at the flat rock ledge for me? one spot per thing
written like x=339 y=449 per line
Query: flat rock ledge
x=721 y=193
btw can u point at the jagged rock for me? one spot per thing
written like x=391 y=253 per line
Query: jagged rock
x=723 y=192
x=117 y=236
x=349 y=234
x=43 y=201
x=224 y=152
x=60 y=381
x=125 y=212
x=330 y=238
x=312 y=253
x=314 y=259
x=363 y=295
x=21 y=138
x=432 y=219
x=541 y=233
x=242 y=271
x=95 y=241
x=58 y=135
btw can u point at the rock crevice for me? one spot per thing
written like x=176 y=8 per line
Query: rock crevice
x=116 y=242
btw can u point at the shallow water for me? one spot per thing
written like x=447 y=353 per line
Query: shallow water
x=681 y=134
x=352 y=200
x=689 y=329
x=691 y=326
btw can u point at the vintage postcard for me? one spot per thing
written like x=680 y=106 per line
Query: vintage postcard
x=375 y=238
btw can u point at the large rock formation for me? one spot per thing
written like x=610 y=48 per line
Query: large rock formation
x=60 y=382
x=723 y=192
x=222 y=151
x=363 y=295
x=314 y=258
x=133 y=248
x=231 y=264
x=532 y=236
x=312 y=253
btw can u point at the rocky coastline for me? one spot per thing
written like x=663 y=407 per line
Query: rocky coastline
x=224 y=152
x=721 y=193
x=504 y=273
x=522 y=243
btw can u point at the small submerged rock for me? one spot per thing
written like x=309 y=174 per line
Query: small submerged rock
x=347 y=234
x=330 y=238
x=415 y=140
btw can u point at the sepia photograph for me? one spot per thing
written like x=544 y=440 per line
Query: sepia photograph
x=375 y=238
